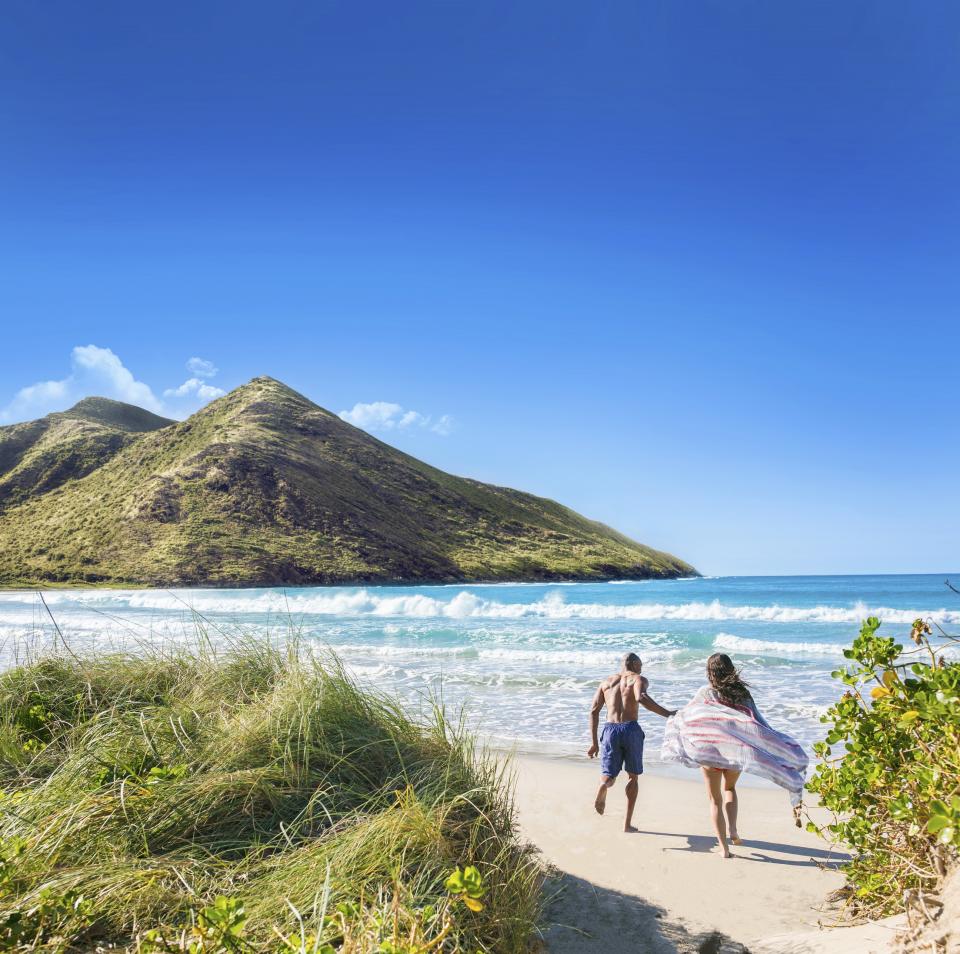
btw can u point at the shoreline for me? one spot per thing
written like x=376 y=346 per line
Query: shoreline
x=652 y=767
x=55 y=586
x=51 y=585
x=666 y=888
x=247 y=585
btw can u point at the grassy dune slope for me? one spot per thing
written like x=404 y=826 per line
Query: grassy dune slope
x=139 y=790
x=262 y=487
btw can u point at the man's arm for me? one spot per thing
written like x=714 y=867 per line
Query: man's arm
x=649 y=703
x=595 y=707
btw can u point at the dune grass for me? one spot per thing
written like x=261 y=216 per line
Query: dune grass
x=252 y=798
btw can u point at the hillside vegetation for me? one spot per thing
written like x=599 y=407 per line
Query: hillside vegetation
x=251 y=799
x=38 y=456
x=263 y=487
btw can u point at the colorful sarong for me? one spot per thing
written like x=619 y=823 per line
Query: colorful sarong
x=710 y=734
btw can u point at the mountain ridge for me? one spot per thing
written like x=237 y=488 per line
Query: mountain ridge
x=264 y=487
x=38 y=456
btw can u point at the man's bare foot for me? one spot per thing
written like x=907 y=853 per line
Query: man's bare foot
x=600 y=803
x=736 y=839
x=631 y=829
x=726 y=854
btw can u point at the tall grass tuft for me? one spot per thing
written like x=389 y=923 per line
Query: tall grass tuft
x=249 y=798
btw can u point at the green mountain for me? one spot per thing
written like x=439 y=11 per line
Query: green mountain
x=38 y=456
x=263 y=487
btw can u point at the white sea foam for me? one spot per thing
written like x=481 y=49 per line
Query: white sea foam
x=558 y=655
x=353 y=650
x=602 y=659
x=768 y=647
x=468 y=605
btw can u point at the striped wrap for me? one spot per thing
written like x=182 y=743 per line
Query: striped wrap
x=709 y=733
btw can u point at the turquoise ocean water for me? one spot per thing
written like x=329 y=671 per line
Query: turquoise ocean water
x=524 y=660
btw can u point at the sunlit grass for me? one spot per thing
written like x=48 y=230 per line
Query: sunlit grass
x=139 y=788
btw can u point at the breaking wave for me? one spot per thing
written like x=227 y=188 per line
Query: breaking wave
x=554 y=656
x=468 y=605
x=769 y=647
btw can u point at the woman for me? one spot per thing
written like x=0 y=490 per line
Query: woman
x=721 y=732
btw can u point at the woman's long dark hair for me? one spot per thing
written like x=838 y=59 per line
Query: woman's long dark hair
x=725 y=679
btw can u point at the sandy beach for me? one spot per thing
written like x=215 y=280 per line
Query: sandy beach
x=666 y=888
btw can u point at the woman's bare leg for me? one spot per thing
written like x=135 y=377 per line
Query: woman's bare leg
x=730 y=805
x=714 y=783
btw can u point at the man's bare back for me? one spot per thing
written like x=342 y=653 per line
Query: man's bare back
x=621 y=694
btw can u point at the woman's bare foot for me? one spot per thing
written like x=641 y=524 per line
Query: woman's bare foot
x=600 y=803
x=736 y=839
x=631 y=829
x=726 y=854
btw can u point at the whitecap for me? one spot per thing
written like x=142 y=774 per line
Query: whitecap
x=766 y=647
x=468 y=605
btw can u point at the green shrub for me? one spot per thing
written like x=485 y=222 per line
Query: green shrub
x=247 y=799
x=890 y=767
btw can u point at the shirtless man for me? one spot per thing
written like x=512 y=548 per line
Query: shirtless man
x=621 y=743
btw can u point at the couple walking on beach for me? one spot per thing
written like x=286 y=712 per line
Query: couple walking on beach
x=720 y=731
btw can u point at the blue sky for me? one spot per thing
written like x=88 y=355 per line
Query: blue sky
x=690 y=268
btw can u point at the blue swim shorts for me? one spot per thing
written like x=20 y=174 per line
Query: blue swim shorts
x=621 y=746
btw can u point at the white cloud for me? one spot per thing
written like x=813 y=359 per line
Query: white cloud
x=101 y=364
x=443 y=426
x=194 y=386
x=94 y=371
x=410 y=418
x=98 y=371
x=387 y=416
x=202 y=368
x=378 y=415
